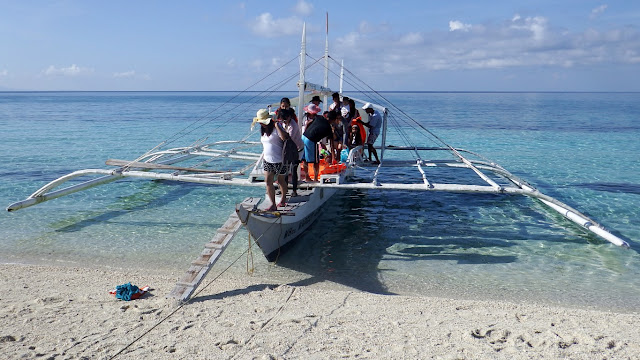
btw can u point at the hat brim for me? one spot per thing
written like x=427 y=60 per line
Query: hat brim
x=265 y=121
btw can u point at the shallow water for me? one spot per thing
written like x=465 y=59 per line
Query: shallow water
x=579 y=147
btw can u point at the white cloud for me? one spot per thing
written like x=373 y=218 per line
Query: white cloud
x=304 y=8
x=131 y=74
x=411 y=39
x=597 y=11
x=456 y=25
x=256 y=64
x=4 y=72
x=536 y=25
x=350 y=40
x=517 y=42
x=126 y=74
x=266 y=25
x=365 y=27
x=73 y=70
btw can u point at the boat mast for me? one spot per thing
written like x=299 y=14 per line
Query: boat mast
x=301 y=82
x=326 y=64
x=385 y=115
x=341 y=74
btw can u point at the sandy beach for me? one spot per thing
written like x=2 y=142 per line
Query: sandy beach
x=67 y=313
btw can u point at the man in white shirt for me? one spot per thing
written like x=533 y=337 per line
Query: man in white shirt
x=374 y=125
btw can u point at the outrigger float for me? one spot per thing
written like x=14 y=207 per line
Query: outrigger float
x=428 y=164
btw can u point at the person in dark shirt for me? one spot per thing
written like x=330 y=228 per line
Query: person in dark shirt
x=317 y=128
x=355 y=139
x=337 y=127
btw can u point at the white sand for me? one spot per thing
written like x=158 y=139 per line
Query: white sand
x=67 y=313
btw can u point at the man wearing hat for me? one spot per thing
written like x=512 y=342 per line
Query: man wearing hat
x=374 y=125
x=316 y=100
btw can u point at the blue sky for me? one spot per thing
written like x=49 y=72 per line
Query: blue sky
x=573 y=45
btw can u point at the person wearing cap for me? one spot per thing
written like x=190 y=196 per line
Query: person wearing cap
x=374 y=125
x=272 y=139
x=316 y=128
x=316 y=100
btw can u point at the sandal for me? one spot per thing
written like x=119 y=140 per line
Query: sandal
x=282 y=204
x=272 y=208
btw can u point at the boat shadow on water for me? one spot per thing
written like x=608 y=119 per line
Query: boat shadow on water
x=626 y=188
x=361 y=234
x=146 y=196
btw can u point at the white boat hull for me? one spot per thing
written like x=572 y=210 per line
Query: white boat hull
x=274 y=232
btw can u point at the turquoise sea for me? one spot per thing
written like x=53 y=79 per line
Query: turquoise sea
x=581 y=148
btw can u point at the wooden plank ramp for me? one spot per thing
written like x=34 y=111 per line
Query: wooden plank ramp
x=199 y=268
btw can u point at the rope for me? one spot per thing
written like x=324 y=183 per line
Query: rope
x=177 y=308
x=265 y=324
x=248 y=251
x=250 y=255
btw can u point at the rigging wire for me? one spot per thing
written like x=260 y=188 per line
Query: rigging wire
x=258 y=98
x=378 y=98
x=391 y=104
x=192 y=126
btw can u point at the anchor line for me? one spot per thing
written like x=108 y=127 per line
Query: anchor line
x=176 y=309
x=182 y=304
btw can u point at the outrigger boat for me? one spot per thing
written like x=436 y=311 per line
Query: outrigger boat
x=428 y=164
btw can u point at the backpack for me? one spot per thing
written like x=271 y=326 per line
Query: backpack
x=289 y=152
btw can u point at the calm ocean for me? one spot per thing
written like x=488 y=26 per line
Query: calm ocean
x=581 y=148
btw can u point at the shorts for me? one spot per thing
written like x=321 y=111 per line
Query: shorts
x=310 y=151
x=275 y=168
x=371 y=139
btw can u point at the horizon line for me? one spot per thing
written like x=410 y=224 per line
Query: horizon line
x=284 y=91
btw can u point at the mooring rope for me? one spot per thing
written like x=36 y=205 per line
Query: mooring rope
x=182 y=304
x=176 y=309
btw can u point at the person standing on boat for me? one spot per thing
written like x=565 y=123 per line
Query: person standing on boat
x=345 y=111
x=272 y=139
x=285 y=118
x=355 y=139
x=285 y=103
x=336 y=105
x=316 y=100
x=353 y=111
x=317 y=128
x=337 y=127
x=374 y=125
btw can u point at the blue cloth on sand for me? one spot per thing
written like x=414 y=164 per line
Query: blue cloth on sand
x=125 y=291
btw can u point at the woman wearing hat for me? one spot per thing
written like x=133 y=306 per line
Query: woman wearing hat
x=272 y=139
